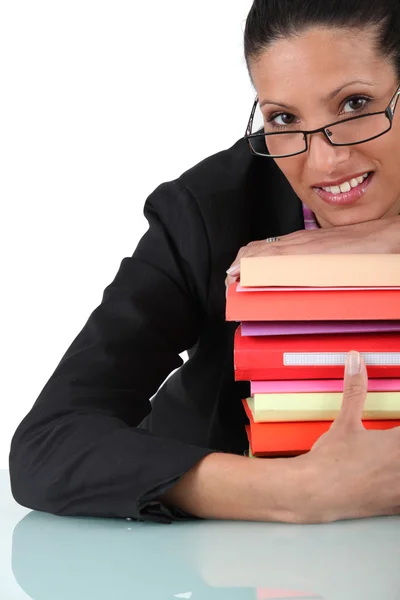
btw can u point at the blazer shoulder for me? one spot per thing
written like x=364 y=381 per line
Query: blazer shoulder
x=216 y=195
x=233 y=197
x=219 y=173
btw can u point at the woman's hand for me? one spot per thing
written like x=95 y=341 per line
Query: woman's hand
x=381 y=236
x=352 y=472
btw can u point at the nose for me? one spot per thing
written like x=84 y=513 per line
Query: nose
x=322 y=156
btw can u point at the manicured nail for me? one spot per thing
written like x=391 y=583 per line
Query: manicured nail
x=353 y=362
x=233 y=269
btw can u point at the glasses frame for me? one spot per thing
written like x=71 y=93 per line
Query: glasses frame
x=388 y=112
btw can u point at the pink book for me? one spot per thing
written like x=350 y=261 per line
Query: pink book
x=283 y=594
x=318 y=385
x=283 y=288
x=310 y=327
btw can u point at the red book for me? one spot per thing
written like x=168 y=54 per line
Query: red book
x=315 y=305
x=290 y=439
x=258 y=358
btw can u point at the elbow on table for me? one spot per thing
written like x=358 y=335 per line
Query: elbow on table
x=32 y=478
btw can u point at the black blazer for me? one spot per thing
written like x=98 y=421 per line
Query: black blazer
x=90 y=445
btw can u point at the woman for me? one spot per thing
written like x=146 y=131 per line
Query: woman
x=90 y=445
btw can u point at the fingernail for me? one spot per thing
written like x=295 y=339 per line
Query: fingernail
x=232 y=269
x=353 y=363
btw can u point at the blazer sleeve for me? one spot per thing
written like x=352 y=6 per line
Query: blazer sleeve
x=79 y=451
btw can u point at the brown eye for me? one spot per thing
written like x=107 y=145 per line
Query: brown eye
x=285 y=119
x=354 y=104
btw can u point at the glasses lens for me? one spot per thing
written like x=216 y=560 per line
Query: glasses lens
x=358 y=130
x=275 y=144
x=281 y=144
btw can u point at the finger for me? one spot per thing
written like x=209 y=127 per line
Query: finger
x=234 y=269
x=267 y=249
x=260 y=248
x=228 y=282
x=355 y=387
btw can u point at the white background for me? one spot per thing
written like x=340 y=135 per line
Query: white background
x=82 y=84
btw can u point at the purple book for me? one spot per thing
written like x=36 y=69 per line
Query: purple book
x=310 y=327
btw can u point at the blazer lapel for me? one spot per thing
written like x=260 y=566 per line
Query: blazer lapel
x=277 y=210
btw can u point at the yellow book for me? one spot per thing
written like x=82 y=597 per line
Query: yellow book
x=319 y=406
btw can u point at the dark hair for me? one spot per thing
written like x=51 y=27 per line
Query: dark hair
x=272 y=20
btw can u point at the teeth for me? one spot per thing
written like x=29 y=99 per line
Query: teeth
x=346 y=186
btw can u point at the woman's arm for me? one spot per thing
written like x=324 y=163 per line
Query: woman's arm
x=349 y=473
x=79 y=451
x=381 y=236
x=225 y=486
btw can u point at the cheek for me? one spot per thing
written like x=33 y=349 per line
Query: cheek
x=380 y=149
x=392 y=150
x=292 y=168
x=387 y=147
x=384 y=152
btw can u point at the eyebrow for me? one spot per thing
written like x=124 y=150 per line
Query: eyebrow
x=327 y=98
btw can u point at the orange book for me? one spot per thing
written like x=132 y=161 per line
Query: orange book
x=312 y=305
x=291 y=439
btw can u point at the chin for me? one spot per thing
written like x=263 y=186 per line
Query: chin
x=346 y=215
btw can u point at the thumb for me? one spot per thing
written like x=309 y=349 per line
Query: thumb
x=355 y=389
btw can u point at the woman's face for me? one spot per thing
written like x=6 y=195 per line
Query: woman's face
x=300 y=73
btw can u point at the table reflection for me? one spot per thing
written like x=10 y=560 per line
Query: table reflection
x=57 y=558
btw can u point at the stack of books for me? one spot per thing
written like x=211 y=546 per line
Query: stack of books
x=299 y=317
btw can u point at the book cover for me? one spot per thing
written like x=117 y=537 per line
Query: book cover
x=261 y=447
x=319 y=406
x=281 y=386
x=321 y=270
x=313 y=356
x=326 y=305
x=290 y=439
x=307 y=327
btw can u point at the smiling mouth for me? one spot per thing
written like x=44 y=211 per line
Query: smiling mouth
x=346 y=186
x=347 y=192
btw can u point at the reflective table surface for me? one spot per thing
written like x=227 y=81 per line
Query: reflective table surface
x=46 y=557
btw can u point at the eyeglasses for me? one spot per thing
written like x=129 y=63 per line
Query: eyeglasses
x=347 y=132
